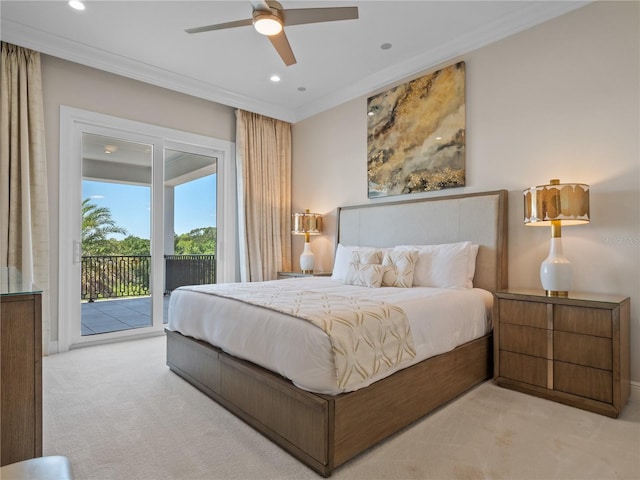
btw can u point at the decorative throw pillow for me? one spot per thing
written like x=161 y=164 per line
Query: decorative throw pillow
x=367 y=257
x=343 y=258
x=400 y=268
x=441 y=266
x=364 y=274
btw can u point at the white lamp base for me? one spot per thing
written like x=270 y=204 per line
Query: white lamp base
x=306 y=259
x=555 y=271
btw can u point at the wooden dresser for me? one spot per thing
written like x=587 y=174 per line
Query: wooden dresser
x=571 y=350
x=20 y=369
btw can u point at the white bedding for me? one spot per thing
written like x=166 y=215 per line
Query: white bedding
x=440 y=320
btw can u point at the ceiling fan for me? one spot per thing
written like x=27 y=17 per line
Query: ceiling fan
x=269 y=18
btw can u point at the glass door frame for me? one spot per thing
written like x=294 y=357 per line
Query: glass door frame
x=73 y=123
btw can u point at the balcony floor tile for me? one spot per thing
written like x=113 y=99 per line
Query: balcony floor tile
x=103 y=316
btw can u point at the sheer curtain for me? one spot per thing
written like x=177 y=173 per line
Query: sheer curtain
x=24 y=214
x=263 y=151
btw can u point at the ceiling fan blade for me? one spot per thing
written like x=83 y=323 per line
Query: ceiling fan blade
x=220 y=26
x=300 y=16
x=281 y=44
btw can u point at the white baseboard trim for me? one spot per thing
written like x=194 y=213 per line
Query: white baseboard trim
x=635 y=392
x=53 y=348
x=117 y=339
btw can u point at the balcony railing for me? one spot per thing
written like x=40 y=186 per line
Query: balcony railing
x=117 y=276
x=182 y=270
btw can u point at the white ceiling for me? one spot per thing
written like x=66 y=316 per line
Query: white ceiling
x=337 y=61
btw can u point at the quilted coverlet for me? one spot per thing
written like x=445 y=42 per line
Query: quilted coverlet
x=367 y=336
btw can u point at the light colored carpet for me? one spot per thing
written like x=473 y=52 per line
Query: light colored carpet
x=118 y=413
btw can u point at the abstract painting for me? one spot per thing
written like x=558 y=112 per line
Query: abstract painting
x=416 y=135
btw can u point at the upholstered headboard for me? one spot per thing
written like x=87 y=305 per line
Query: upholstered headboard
x=477 y=217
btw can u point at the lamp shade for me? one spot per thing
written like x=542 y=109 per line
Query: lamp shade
x=555 y=205
x=564 y=202
x=307 y=223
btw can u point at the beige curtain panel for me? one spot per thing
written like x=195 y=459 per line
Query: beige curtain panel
x=24 y=214
x=263 y=154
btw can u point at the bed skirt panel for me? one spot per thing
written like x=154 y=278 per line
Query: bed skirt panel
x=367 y=416
x=326 y=431
x=296 y=420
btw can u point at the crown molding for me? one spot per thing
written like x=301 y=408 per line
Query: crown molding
x=534 y=14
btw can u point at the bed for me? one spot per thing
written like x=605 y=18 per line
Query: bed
x=327 y=427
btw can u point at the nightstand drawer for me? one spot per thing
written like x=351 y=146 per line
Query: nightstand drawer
x=526 y=340
x=583 y=381
x=584 y=350
x=523 y=368
x=590 y=321
x=523 y=313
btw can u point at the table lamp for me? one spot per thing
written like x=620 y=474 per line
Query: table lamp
x=556 y=204
x=307 y=224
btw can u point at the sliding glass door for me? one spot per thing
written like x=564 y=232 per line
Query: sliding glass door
x=143 y=210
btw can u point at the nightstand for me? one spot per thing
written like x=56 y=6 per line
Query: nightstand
x=571 y=350
x=282 y=275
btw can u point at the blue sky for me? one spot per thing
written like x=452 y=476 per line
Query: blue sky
x=195 y=204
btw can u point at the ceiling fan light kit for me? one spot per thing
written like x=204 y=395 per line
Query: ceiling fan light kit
x=267 y=23
x=269 y=18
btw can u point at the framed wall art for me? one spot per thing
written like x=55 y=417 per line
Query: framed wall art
x=416 y=135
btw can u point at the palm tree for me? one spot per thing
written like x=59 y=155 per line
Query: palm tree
x=100 y=274
x=97 y=224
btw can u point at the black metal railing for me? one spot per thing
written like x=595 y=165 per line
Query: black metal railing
x=117 y=276
x=189 y=270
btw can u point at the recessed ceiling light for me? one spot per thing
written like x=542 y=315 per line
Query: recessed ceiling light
x=76 y=4
x=302 y=89
x=385 y=46
x=275 y=78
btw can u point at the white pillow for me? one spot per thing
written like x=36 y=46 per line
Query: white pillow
x=471 y=268
x=441 y=266
x=400 y=268
x=364 y=274
x=343 y=258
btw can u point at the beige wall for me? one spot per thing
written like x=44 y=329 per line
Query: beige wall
x=557 y=101
x=73 y=85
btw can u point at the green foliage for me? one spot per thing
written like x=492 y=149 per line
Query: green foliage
x=197 y=241
x=134 y=246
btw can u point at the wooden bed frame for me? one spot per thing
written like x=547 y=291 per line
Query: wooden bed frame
x=325 y=431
